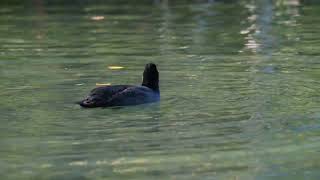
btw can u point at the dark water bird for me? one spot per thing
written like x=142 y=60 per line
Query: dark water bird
x=126 y=95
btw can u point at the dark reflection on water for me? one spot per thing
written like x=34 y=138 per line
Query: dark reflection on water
x=238 y=84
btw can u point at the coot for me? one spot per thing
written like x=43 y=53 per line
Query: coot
x=126 y=95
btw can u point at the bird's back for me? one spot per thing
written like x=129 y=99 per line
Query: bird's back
x=120 y=95
x=134 y=95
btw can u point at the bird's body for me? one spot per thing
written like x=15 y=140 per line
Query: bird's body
x=126 y=95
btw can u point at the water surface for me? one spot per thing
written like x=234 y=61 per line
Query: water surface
x=238 y=80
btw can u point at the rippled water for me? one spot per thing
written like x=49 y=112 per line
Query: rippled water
x=239 y=86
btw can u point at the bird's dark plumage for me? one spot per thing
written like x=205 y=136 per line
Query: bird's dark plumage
x=126 y=95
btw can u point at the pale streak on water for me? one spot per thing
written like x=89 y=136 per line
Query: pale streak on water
x=239 y=87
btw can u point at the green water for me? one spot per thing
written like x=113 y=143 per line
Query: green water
x=239 y=85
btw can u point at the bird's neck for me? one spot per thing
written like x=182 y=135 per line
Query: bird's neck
x=152 y=85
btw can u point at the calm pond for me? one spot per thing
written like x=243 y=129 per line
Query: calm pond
x=239 y=82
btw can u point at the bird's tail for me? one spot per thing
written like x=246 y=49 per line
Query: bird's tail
x=87 y=103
